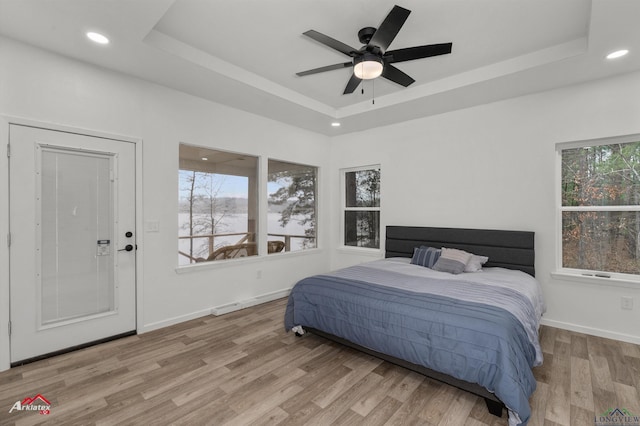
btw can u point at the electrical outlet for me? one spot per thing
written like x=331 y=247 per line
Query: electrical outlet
x=626 y=302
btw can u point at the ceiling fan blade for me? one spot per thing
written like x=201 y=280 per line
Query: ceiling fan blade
x=394 y=74
x=323 y=69
x=389 y=28
x=417 y=52
x=353 y=83
x=332 y=43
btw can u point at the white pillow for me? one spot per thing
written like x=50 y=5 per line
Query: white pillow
x=475 y=263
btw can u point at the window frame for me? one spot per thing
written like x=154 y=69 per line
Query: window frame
x=257 y=202
x=579 y=273
x=316 y=212
x=344 y=208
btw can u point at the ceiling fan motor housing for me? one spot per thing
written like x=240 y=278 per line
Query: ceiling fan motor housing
x=365 y=34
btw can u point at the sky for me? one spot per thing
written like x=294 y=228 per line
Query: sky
x=232 y=186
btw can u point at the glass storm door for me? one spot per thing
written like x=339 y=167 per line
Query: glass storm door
x=72 y=253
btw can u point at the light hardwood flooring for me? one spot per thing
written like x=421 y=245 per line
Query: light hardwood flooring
x=243 y=369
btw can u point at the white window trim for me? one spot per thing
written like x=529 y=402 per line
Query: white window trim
x=587 y=275
x=344 y=208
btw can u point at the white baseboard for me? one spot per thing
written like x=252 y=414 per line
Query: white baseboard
x=592 y=331
x=235 y=306
x=225 y=309
x=217 y=310
x=172 y=321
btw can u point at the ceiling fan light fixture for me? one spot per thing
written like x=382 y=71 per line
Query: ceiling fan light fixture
x=97 y=38
x=368 y=66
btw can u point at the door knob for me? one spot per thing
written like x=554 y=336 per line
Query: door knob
x=128 y=247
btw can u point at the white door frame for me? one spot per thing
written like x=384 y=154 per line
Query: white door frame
x=5 y=121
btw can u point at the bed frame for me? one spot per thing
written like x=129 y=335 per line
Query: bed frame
x=507 y=249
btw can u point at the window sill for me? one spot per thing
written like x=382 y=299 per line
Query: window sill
x=244 y=261
x=587 y=279
x=361 y=251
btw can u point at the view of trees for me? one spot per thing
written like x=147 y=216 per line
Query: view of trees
x=296 y=196
x=362 y=208
x=601 y=208
x=206 y=209
x=213 y=209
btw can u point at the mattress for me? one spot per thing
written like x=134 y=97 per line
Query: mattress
x=478 y=327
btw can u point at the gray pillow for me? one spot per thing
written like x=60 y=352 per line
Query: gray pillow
x=452 y=261
x=425 y=256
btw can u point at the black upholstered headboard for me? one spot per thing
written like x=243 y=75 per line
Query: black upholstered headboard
x=506 y=249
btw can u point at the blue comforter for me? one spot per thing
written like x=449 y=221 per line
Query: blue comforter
x=476 y=342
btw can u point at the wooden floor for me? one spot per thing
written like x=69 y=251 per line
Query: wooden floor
x=243 y=369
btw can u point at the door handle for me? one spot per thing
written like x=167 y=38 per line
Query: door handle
x=128 y=247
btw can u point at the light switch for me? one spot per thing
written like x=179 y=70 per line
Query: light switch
x=152 y=226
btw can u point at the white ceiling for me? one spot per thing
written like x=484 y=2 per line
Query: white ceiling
x=245 y=53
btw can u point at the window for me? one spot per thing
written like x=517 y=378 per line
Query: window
x=361 y=221
x=600 y=207
x=218 y=205
x=291 y=216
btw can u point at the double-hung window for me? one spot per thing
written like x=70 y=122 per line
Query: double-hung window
x=361 y=198
x=600 y=207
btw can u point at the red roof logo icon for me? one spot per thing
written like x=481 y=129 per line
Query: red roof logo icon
x=31 y=401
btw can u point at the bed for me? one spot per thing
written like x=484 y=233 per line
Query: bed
x=476 y=331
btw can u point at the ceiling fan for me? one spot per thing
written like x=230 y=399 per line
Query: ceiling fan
x=373 y=59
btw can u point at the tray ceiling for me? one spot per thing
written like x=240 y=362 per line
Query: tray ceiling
x=245 y=53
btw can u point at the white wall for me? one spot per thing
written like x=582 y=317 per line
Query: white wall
x=493 y=166
x=49 y=88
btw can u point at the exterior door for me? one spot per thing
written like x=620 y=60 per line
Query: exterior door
x=72 y=252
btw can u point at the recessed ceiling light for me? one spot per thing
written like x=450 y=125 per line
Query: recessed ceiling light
x=97 y=37
x=617 y=54
x=335 y=124
x=205 y=159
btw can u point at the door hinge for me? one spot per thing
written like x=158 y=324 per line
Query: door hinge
x=8 y=239
x=8 y=150
x=9 y=328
